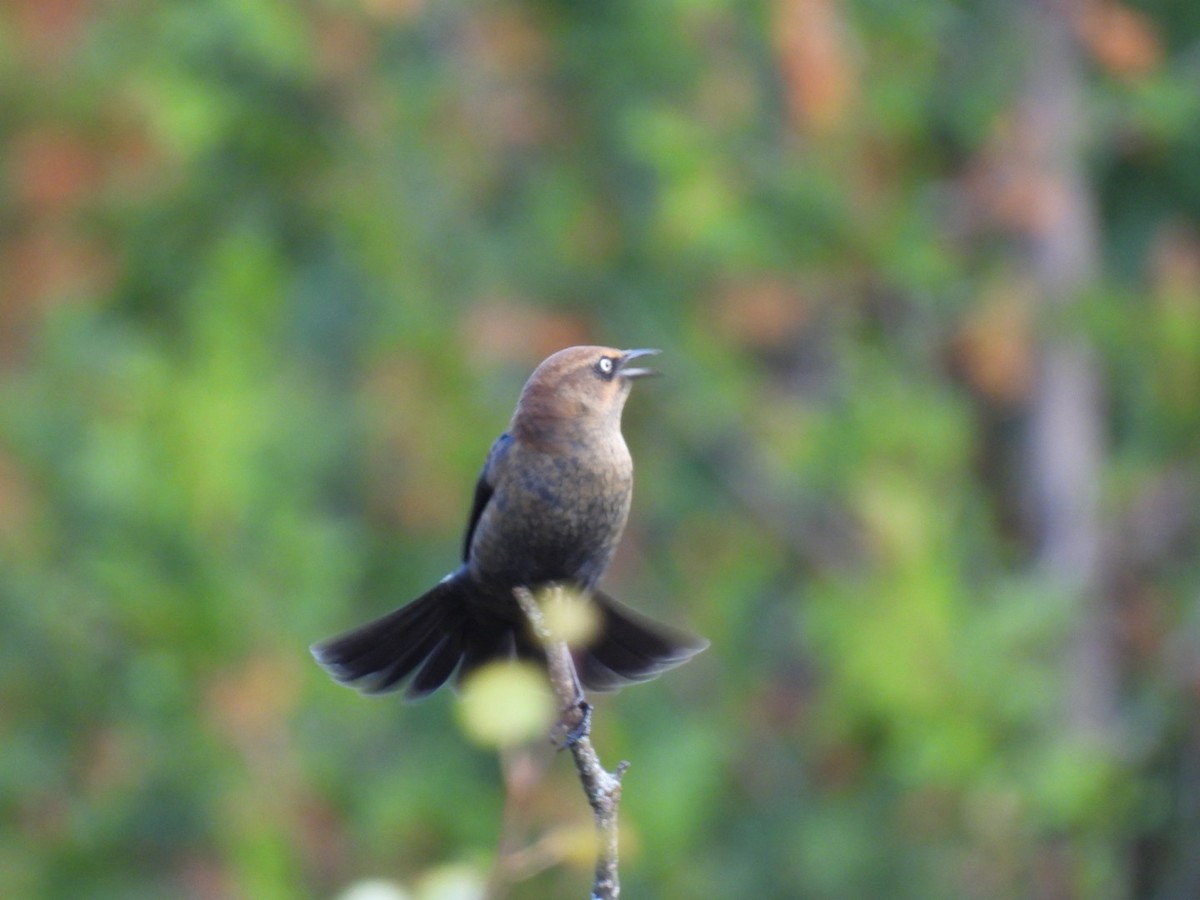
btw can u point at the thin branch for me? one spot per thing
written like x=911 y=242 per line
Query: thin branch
x=513 y=861
x=603 y=788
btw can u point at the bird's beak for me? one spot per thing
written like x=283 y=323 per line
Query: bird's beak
x=628 y=356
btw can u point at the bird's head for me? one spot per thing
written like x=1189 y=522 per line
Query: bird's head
x=580 y=384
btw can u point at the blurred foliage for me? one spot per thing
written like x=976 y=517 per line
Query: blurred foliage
x=271 y=276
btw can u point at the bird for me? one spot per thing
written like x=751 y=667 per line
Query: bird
x=548 y=511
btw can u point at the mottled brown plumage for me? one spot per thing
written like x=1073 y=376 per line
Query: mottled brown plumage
x=549 y=507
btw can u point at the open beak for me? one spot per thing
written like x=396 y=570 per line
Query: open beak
x=628 y=356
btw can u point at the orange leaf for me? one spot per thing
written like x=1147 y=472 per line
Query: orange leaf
x=52 y=169
x=815 y=59
x=1120 y=39
x=994 y=346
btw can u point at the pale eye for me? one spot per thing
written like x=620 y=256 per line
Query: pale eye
x=605 y=366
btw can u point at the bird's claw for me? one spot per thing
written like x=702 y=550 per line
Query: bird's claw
x=572 y=734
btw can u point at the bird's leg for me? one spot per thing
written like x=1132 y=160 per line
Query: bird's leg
x=576 y=722
x=577 y=732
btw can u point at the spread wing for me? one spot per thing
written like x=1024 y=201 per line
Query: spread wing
x=484 y=489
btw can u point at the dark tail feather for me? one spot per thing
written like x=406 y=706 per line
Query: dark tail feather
x=439 y=666
x=631 y=647
x=441 y=632
x=500 y=638
x=425 y=636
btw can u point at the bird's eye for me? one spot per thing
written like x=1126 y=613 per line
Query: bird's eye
x=605 y=366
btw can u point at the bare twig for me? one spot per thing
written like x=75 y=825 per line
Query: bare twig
x=522 y=770
x=603 y=788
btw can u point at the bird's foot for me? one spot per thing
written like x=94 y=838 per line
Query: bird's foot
x=575 y=725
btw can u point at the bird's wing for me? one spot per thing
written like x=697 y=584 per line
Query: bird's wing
x=484 y=489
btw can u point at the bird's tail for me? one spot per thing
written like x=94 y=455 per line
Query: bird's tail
x=427 y=639
x=445 y=631
x=630 y=647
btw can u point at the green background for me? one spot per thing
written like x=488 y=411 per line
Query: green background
x=923 y=465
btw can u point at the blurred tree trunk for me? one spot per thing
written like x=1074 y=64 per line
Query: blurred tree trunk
x=1066 y=442
x=1065 y=431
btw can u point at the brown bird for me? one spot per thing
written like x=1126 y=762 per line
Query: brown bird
x=550 y=506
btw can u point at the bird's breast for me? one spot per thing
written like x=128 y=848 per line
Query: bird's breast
x=553 y=516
